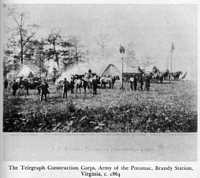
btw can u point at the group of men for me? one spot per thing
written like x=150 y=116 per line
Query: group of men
x=142 y=80
x=43 y=87
x=89 y=80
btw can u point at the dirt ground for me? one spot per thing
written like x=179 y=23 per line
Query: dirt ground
x=175 y=96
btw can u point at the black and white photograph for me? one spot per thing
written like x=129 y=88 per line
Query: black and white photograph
x=107 y=68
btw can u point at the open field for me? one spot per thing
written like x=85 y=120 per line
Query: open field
x=168 y=107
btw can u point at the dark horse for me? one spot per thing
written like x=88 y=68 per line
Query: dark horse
x=30 y=84
x=160 y=76
x=176 y=75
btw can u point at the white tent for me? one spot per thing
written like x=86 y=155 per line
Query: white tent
x=28 y=70
x=111 y=70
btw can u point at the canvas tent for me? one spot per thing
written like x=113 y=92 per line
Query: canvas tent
x=28 y=70
x=111 y=70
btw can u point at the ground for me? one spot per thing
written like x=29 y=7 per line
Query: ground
x=167 y=107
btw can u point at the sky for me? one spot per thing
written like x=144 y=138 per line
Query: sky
x=150 y=29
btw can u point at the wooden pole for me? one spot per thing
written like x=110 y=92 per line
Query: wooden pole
x=122 y=52
x=122 y=72
x=171 y=61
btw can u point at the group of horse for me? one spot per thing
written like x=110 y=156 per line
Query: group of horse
x=91 y=81
x=88 y=82
x=21 y=84
x=166 y=75
x=155 y=75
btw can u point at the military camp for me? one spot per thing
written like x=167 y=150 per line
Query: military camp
x=99 y=71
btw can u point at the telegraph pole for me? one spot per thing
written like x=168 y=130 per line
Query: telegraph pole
x=171 y=56
x=122 y=52
x=171 y=61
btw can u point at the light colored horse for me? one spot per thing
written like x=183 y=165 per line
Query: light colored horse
x=104 y=81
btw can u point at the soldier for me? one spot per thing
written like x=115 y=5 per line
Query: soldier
x=65 y=87
x=131 y=82
x=14 y=87
x=135 y=82
x=89 y=73
x=141 y=81
x=26 y=86
x=147 y=83
x=44 y=90
x=95 y=85
x=6 y=83
x=72 y=84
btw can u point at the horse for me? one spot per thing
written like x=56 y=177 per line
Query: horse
x=176 y=75
x=106 y=80
x=166 y=75
x=160 y=76
x=88 y=81
x=78 y=84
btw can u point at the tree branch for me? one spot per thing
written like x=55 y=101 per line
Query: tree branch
x=28 y=39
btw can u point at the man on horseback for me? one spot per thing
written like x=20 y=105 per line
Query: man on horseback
x=89 y=73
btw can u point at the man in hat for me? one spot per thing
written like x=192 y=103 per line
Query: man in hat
x=135 y=82
x=94 y=84
x=131 y=82
x=65 y=87
x=44 y=90
x=14 y=87
x=6 y=83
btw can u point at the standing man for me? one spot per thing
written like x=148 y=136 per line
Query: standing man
x=44 y=90
x=95 y=85
x=141 y=81
x=135 y=82
x=65 y=87
x=147 y=83
x=131 y=82
x=6 y=83
x=72 y=84
x=14 y=87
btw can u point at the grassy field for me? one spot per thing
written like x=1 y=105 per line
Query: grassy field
x=168 y=107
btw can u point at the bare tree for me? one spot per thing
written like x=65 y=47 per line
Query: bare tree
x=72 y=50
x=54 y=39
x=24 y=33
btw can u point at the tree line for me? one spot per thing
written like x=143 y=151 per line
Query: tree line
x=23 y=44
